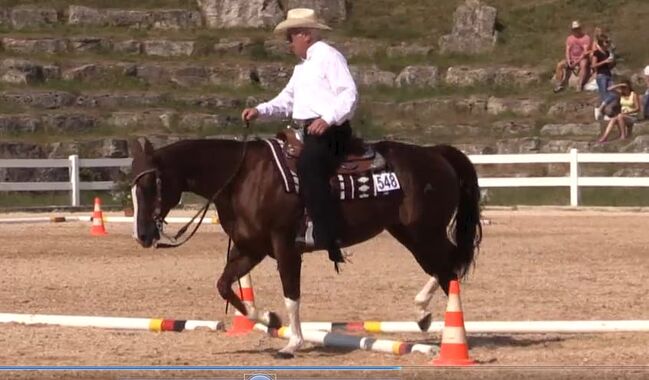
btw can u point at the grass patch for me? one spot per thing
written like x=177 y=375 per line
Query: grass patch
x=531 y=32
x=18 y=200
x=604 y=197
x=613 y=197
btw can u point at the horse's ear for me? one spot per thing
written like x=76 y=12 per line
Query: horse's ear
x=148 y=147
x=135 y=148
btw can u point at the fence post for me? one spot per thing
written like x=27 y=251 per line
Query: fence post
x=75 y=192
x=574 y=178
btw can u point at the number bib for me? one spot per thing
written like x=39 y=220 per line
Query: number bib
x=386 y=181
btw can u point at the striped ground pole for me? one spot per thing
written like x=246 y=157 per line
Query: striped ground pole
x=488 y=327
x=169 y=219
x=329 y=339
x=40 y=219
x=372 y=326
x=151 y=324
x=106 y=218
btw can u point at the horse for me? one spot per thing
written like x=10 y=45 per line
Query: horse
x=435 y=215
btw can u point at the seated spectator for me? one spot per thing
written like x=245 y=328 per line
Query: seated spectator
x=578 y=45
x=602 y=62
x=646 y=94
x=629 y=109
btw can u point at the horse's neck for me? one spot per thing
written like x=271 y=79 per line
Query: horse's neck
x=205 y=165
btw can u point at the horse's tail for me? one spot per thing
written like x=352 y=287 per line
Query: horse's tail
x=466 y=228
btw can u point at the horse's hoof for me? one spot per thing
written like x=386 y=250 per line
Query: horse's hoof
x=274 y=321
x=424 y=323
x=284 y=355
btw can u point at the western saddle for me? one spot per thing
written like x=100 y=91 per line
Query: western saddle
x=361 y=157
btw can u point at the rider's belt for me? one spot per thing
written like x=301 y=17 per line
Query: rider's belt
x=300 y=124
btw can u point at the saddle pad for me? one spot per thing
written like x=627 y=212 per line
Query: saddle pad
x=345 y=187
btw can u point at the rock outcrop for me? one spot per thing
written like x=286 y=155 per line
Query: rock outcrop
x=221 y=14
x=474 y=29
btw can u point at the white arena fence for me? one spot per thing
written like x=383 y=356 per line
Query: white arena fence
x=574 y=181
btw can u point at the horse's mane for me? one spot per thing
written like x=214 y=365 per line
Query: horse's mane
x=215 y=153
x=185 y=145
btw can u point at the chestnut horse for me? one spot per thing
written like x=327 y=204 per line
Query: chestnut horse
x=436 y=215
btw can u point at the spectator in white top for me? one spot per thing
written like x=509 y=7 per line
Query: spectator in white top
x=320 y=97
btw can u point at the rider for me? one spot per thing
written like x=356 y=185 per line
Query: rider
x=321 y=97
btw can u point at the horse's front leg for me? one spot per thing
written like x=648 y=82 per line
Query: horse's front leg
x=265 y=317
x=238 y=265
x=289 y=261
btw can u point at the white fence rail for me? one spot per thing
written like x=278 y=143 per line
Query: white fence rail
x=574 y=181
x=73 y=164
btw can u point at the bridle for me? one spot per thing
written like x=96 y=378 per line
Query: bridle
x=158 y=219
x=157 y=211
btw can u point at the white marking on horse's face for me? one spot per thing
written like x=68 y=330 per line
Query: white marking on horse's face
x=145 y=231
x=135 y=213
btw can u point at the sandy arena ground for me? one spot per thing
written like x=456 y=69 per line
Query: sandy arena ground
x=534 y=265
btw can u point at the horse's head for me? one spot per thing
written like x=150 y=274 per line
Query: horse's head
x=154 y=190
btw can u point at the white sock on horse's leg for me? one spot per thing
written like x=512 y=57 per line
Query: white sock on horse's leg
x=425 y=295
x=296 y=340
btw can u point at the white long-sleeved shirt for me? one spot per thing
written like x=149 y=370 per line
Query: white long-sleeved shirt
x=321 y=86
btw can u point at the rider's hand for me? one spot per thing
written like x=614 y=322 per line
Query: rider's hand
x=249 y=114
x=318 y=127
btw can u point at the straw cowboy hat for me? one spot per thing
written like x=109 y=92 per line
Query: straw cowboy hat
x=300 y=18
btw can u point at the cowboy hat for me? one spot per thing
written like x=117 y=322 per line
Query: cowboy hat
x=300 y=18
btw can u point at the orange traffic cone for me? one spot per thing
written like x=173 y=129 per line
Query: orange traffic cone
x=241 y=325
x=454 y=348
x=97 y=228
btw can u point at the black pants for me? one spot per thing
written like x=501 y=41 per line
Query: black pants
x=318 y=161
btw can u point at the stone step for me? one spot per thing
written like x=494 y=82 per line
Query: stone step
x=77 y=123
x=174 y=44
x=422 y=110
x=515 y=138
x=267 y=75
x=474 y=108
x=117 y=147
x=190 y=46
x=80 y=121
x=111 y=100
x=481 y=106
x=223 y=71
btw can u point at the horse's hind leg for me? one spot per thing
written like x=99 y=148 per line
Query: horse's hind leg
x=432 y=250
x=422 y=301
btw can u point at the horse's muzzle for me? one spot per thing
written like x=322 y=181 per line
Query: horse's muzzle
x=148 y=240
